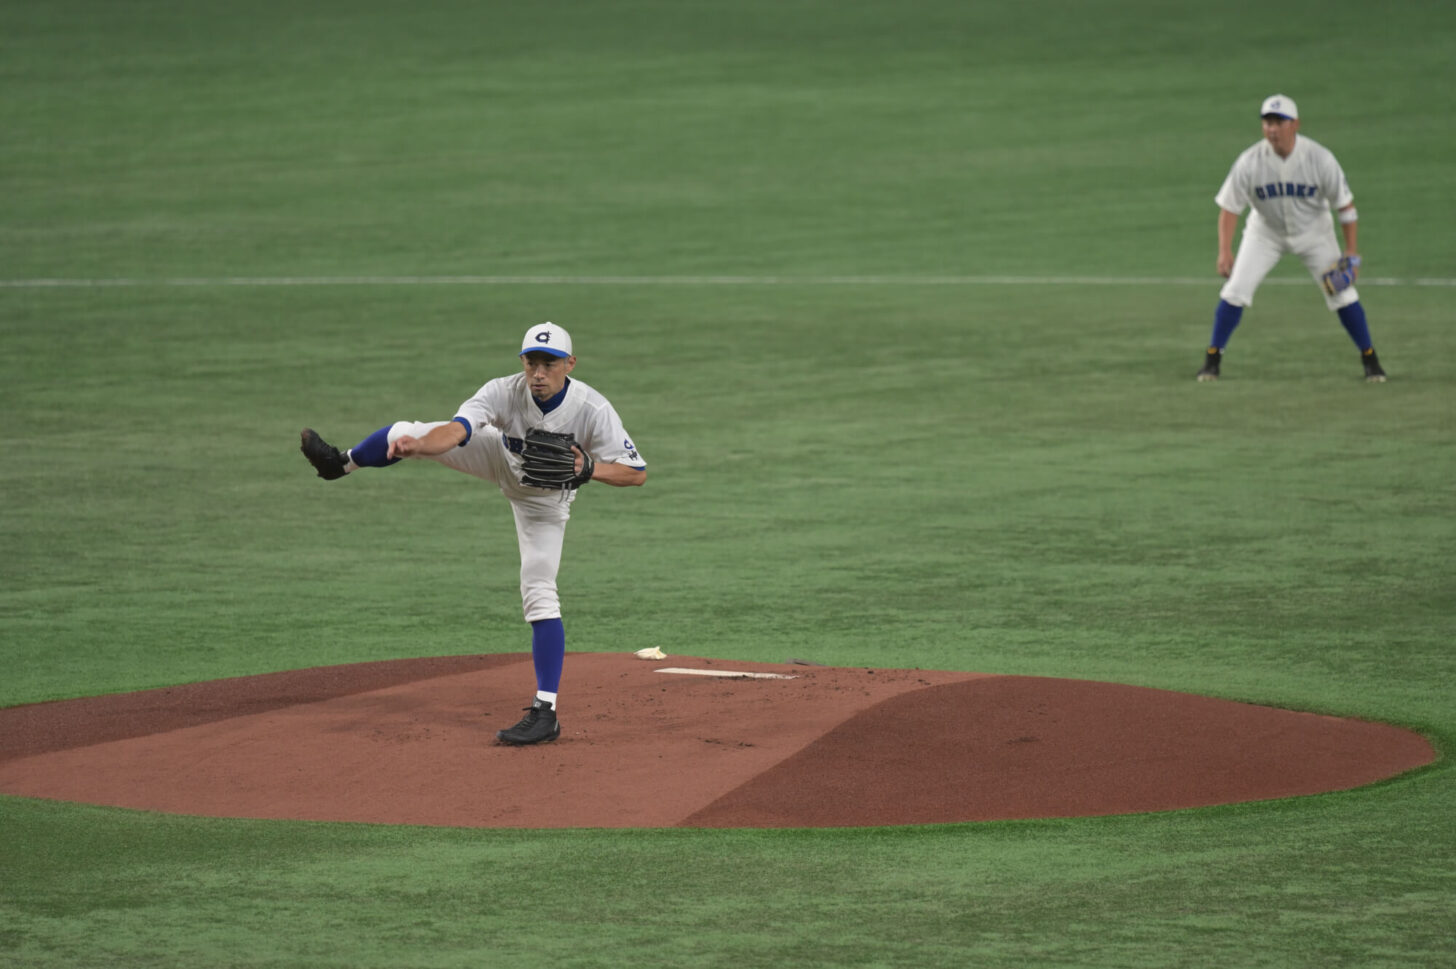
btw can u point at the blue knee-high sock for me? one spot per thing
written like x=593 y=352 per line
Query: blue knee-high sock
x=1225 y=319
x=548 y=653
x=372 y=452
x=1352 y=318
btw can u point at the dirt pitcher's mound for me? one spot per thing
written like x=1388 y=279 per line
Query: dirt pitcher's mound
x=412 y=742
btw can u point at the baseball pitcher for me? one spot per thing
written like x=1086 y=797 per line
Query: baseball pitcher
x=538 y=435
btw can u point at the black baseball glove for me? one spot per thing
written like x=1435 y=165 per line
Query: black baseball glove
x=549 y=461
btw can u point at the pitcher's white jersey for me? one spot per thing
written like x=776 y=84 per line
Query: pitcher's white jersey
x=506 y=406
x=1290 y=196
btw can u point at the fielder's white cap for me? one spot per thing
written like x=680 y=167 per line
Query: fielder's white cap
x=1281 y=105
x=547 y=338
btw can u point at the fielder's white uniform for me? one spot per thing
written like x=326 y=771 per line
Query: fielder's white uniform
x=1292 y=199
x=498 y=417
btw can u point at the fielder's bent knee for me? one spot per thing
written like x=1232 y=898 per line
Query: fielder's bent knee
x=1341 y=299
x=1233 y=298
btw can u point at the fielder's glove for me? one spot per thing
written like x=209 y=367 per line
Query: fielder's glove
x=549 y=461
x=1341 y=274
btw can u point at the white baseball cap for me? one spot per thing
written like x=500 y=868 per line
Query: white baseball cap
x=547 y=338
x=1281 y=105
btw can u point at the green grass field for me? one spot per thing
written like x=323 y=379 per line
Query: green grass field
x=823 y=257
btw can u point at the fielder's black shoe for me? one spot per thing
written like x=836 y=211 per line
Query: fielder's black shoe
x=537 y=726
x=1211 y=360
x=326 y=459
x=1374 y=373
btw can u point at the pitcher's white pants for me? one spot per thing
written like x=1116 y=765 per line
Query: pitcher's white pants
x=1259 y=251
x=540 y=518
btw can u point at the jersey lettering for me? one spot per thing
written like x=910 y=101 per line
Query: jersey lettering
x=1276 y=190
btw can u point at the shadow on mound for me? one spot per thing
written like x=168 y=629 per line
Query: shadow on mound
x=1029 y=747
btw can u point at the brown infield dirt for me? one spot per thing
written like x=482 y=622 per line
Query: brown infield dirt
x=413 y=742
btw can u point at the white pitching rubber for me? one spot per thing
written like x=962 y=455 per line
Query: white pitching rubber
x=728 y=674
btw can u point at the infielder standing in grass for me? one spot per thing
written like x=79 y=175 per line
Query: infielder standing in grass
x=1292 y=183
x=538 y=435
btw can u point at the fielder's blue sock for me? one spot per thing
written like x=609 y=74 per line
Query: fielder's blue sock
x=1225 y=319
x=373 y=450
x=1352 y=318
x=548 y=652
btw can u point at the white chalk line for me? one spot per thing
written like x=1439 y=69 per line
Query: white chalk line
x=281 y=281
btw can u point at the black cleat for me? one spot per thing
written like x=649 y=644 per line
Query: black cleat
x=539 y=725
x=326 y=459
x=1374 y=373
x=1211 y=360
